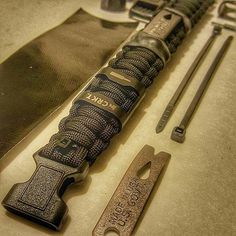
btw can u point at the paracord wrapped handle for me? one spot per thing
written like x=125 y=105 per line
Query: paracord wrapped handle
x=100 y=112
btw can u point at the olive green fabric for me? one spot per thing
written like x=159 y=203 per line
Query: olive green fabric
x=40 y=76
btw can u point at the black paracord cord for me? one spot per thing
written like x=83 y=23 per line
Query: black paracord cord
x=90 y=129
x=194 y=9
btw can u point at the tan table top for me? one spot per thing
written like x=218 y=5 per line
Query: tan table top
x=197 y=195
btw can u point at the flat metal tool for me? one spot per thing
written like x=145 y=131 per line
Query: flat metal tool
x=130 y=197
x=178 y=133
x=173 y=101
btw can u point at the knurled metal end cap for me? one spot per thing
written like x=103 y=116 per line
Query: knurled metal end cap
x=39 y=198
x=113 y=5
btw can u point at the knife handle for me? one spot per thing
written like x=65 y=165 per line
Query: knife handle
x=100 y=112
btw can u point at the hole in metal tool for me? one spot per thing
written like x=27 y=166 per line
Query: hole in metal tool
x=168 y=16
x=112 y=232
x=144 y=172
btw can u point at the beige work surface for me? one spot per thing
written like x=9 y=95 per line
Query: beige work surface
x=197 y=194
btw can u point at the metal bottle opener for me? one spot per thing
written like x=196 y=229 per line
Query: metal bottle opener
x=130 y=197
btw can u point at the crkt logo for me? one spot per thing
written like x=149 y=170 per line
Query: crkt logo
x=100 y=101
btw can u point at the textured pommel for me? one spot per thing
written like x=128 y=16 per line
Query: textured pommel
x=39 y=199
